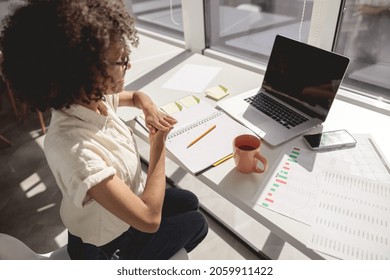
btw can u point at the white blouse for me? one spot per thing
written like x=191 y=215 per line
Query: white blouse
x=83 y=148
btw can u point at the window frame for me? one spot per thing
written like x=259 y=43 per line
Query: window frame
x=324 y=27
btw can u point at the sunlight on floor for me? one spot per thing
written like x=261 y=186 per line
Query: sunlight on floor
x=32 y=185
x=46 y=207
x=36 y=135
x=62 y=238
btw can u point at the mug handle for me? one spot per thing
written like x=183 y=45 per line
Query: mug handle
x=263 y=161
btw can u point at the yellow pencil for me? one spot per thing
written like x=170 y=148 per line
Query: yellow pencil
x=222 y=160
x=201 y=136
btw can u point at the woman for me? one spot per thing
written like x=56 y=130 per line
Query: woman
x=71 y=56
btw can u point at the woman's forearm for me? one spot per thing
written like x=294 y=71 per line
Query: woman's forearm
x=136 y=99
x=153 y=194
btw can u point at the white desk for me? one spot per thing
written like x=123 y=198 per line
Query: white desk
x=149 y=55
x=240 y=189
x=157 y=54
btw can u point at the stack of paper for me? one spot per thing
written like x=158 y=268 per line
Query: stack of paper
x=344 y=195
x=352 y=218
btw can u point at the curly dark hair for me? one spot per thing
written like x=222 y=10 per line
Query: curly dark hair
x=55 y=50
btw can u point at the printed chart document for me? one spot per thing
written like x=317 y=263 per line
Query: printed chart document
x=366 y=159
x=293 y=187
x=344 y=195
x=352 y=218
x=212 y=131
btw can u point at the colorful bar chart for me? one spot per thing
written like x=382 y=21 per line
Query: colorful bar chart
x=344 y=195
x=292 y=189
x=281 y=177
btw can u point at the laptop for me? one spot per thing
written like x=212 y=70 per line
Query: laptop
x=297 y=92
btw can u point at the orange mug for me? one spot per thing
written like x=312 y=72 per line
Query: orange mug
x=246 y=154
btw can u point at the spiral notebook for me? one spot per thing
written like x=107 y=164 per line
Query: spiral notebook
x=195 y=117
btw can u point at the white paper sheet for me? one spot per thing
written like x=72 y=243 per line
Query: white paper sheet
x=352 y=217
x=366 y=159
x=296 y=198
x=192 y=78
x=292 y=189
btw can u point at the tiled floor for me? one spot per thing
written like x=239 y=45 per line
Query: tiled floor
x=30 y=199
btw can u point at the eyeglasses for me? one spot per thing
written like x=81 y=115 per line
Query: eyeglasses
x=124 y=62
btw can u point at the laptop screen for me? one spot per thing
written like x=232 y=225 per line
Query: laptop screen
x=303 y=76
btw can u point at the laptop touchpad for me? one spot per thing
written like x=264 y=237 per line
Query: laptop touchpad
x=254 y=116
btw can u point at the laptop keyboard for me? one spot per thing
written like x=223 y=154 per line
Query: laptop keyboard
x=280 y=113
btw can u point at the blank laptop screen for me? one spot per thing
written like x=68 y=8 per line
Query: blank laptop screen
x=304 y=76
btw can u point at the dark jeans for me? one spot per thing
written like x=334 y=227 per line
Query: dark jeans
x=182 y=226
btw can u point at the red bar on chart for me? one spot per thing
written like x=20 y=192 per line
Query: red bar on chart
x=281 y=181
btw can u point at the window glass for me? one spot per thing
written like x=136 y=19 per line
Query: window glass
x=161 y=16
x=248 y=28
x=365 y=38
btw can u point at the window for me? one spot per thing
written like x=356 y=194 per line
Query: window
x=248 y=28
x=365 y=38
x=357 y=29
x=160 y=16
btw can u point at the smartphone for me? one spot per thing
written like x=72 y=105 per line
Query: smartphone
x=330 y=140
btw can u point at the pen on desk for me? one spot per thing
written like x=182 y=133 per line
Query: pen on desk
x=222 y=160
x=201 y=136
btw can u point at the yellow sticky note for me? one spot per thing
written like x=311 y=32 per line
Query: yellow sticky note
x=189 y=101
x=171 y=108
x=217 y=93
